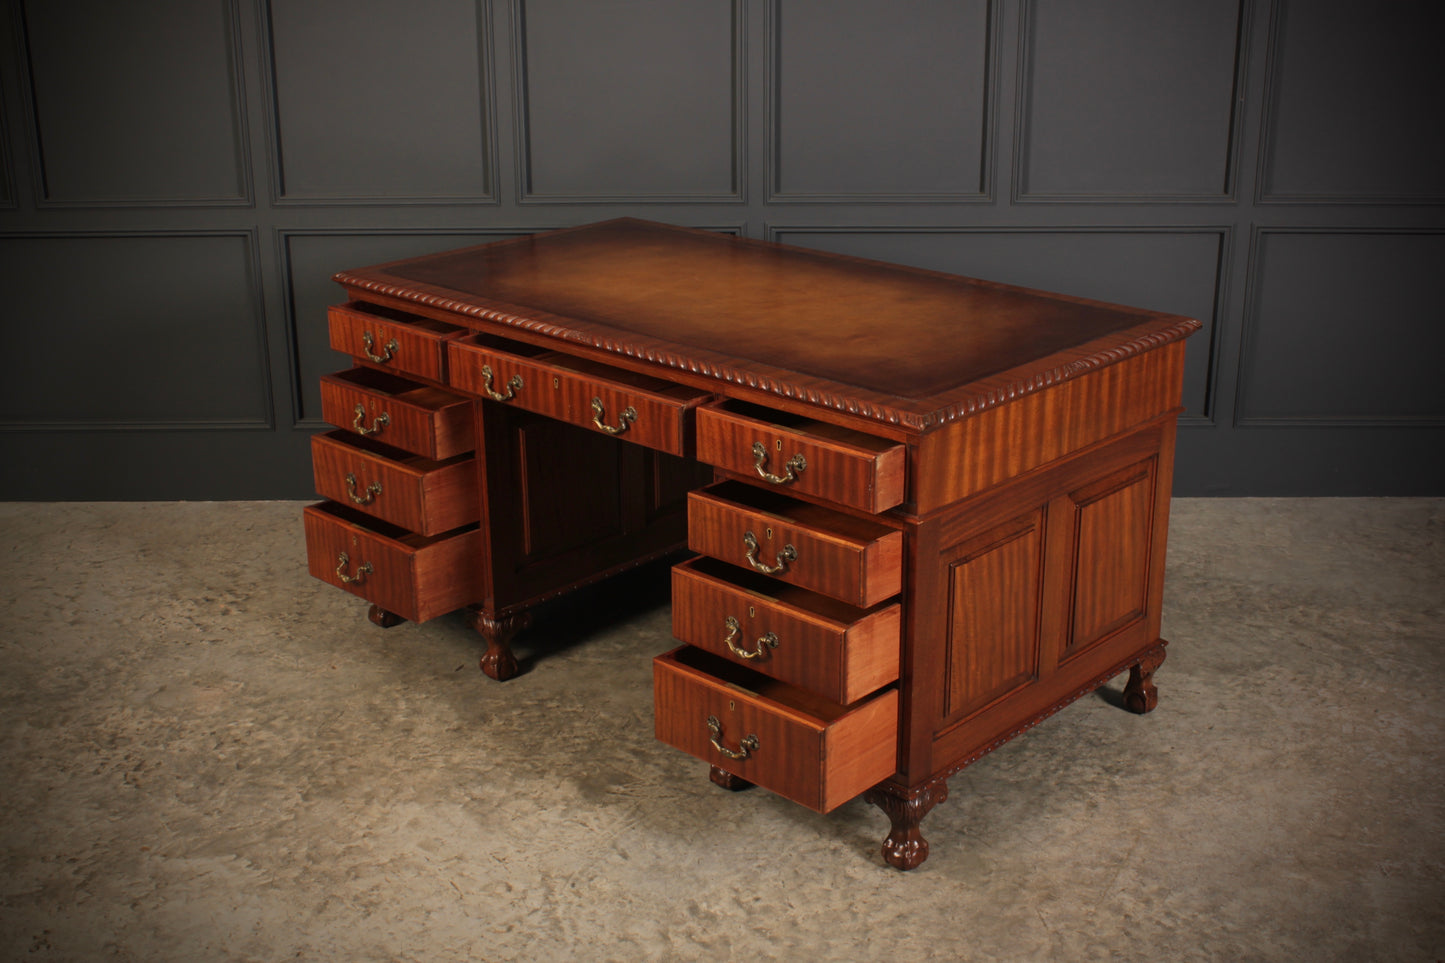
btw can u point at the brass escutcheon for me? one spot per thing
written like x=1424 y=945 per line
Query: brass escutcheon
x=746 y=747
x=387 y=353
x=764 y=642
x=378 y=423
x=785 y=555
x=372 y=490
x=514 y=385
x=362 y=571
x=624 y=421
x=791 y=468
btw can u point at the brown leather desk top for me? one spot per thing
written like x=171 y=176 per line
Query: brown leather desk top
x=912 y=347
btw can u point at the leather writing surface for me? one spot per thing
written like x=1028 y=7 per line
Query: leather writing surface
x=910 y=334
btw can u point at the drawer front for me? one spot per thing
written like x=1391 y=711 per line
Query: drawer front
x=415 y=577
x=632 y=407
x=782 y=738
x=419 y=418
x=838 y=651
x=398 y=342
x=428 y=497
x=798 y=454
x=850 y=559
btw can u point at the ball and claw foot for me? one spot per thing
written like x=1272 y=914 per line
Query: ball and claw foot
x=1140 y=693
x=905 y=848
x=725 y=779
x=498 y=662
x=383 y=618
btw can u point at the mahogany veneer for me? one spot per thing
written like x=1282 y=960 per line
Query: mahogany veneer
x=932 y=510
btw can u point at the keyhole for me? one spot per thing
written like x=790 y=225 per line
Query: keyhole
x=780 y=444
x=752 y=612
x=769 y=532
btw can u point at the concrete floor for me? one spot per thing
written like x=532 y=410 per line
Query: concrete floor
x=207 y=755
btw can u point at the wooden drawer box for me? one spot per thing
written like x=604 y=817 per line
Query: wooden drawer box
x=828 y=647
x=422 y=419
x=633 y=407
x=855 y=560
x=800 y=746
x=415 y=576
x=428 y=497
x=401 y=342
x=800 y=454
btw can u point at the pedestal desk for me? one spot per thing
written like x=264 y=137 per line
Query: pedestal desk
x=927 y=511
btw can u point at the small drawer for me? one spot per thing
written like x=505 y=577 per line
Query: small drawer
x=855 y=560
x=820 y=644
x=401 y=342
x=804 y=748
x=415 y=576
x=428 y=497
x=800 y=454
x=630 y=406
x=422 y=419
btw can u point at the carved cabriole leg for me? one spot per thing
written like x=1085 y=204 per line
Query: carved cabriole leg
x=905 y=848
x=498 y=662
x=383 y=618
x=1140 y=695
x=725 y=779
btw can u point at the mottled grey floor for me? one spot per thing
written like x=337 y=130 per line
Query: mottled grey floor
x=206 y=755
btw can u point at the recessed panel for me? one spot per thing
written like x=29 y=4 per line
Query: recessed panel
x=1345 y=327
x=311 y=261
x=556 y=513
x=993 y=612
x=379 y=100
x=850 y=120
x=1355 y=105
x=135 y=102
x=132 y=330
x=1174 y=272
x=1128 y=98
x=1111 y=556
x=630 y=98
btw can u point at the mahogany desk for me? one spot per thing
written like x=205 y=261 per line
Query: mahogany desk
x=928 y=511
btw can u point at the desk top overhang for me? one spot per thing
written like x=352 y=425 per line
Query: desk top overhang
x=899 y=345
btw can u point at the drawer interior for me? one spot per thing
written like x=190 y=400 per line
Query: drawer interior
x=778 y=591
x=400 y=456
x=439 y=328
x=806 y=426
x=385 y=529
x=798 y=511
x=799 y=701
x=384 y=383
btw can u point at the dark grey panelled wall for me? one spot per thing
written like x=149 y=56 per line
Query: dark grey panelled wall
x=179 y=179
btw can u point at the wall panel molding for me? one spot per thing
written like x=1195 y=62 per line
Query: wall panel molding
x=621 y=155
x=1025 y=139
x=366 y=137
x=150 y=114
x=111 y=358
x=981 y=188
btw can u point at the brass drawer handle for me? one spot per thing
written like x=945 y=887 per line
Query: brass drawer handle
x=734 y=629
x=787 y=554
x=514 y=385
x=387 y=353
x=380 y=422
x=746 y=747
x=793 y=466
x=372 y=490
x=624 y=421
x=362 y=570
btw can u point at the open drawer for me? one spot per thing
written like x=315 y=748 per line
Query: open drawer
x=428 y=497
x=802 y=454
x=802 y=747
x=414 y=576
x=405 y=414
x=634 y=407
x=401 y=342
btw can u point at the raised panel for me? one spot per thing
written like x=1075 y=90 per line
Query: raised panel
x=846 y=122
x=1112 y=521
x=378 y=100
x=136 y=103
x=629 y=100
x=1173 y=271
x=1127 y=99
x=132 y=331
x=1354 y=102
x=311 y=260
x=994 y=584
x=1344 y=327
